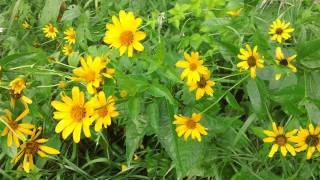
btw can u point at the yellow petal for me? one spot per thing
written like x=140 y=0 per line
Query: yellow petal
x=49 y=150
x=273 y=150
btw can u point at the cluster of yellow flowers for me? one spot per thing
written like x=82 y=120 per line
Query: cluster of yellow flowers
x=304 y=139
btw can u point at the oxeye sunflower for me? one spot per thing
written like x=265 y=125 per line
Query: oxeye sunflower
x=308 y=139
x=280 y=140
x=284 y=61
x=190 y=126
x=73 y=114
x=70 y=35
x=67 y=50
x=14 y=128
x=50 y=31
x=280 y=30
x=90 y=72
x=193 y=67
x=34 y=146
x=104 y=110
x=16 y=91
x=203 y=86
x=250 y=59
x=123 y=34
x=26 y=25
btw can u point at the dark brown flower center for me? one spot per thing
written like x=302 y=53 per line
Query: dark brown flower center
x=284 y=62
x=126 y=38
x=193 y=66
x=281 y=140
x=13 y=124
x=32 y=147
x=312 y=140
x=251 y=61
x=202 y=83
x=78 y=113
x=51 y=29
x=279 y=31
x=191 y=124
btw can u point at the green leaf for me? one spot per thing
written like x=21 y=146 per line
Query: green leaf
x=157 y=59
x=50 y=11
x=158 y=90
x=313 y=110
x=308 y=53
x=72 y=13
x=258 y=96
x=73 y=59
x=233 y=102
x=154 y=116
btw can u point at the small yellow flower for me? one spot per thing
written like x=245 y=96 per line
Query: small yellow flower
x=32 y=147
x=15 y=129
x=104 y=110
x=62 y=84
x=123 y=93
x=190 y=126
x=70 y=35
x=16 y=89
x=203 y=86
x=280 y=139
x=73 y=114
x=26 y=25
x=308 y=139
x=281 y=60
x=123 y=34
x=250 y=59
x=67 y=50
x=234 y=13
x=90 y=72
x=193 y=67
x=50 y=31
x=124 y=167
x=136 y=157
x=280 y=30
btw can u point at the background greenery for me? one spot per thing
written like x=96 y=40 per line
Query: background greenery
x=232 y=150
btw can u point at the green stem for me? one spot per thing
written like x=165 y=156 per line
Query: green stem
x=225 y=77
x=225 y=93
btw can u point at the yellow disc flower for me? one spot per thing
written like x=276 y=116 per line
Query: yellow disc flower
x=190 y=126
x=67 y=50
x=234 y=13
x=203 y=86
x=15 y=129
x=104 y=110
x=280 y=30
x=281 y=60
x=26 y=25
x=50 y=31
x=32 y=147
x=70 y=35
x=123 y=93
x=308 y=139
x=280 y=140
x=193 y=67
x=250 y=59
x=90 y=72
x=73 y=114
x=123 y=34
x=16 y=89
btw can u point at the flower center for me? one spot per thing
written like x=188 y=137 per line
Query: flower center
x=193 y=66
x=72 y=36
x=281 y=140
x=51 y=29
x=126 y=38
x=91 y=76
x=78 y=112
x=251 y=61
x=284 y=62
x=202 y=83
x=102 y=112
x=279 y=31
x=191 y=124
x=312 y=140
x=13 y=124
x=32 y=148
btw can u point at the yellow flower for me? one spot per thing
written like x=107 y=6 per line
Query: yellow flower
x=193 y=67
x=62 y=84
x=105 y=110
x=73 y=115
x=136 y=157
x=190 y=126
x=26 y=25
x=280 y=30
x=308 y=139
x=234 y=13
x=15 y=129
x=124 y=167
x=123 y=34
x=90 y=73
x=32 y=147
x=279 y=139
x=16 y=89
x=50 y=31
x=250 y=60
x=70 y=35
x=281 y=60
x=203 y=86
x=67 y=50
x=123 y=93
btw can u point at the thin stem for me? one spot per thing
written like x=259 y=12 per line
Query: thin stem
x=21 y=67
x=60 y=63
x=225 y=77
x=225 y=93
